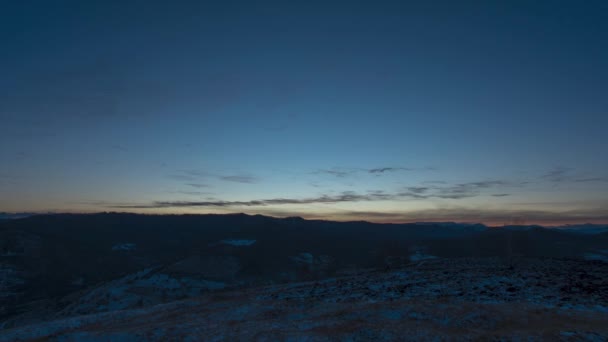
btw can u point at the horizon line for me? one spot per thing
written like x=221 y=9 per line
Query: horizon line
x=26 y=214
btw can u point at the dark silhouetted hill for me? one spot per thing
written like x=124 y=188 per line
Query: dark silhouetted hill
x=66 y=264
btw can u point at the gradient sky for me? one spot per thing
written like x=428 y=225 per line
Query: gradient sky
x=389 y=111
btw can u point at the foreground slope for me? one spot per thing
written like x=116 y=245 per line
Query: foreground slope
x=463 y=298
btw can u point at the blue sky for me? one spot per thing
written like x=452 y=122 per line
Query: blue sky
x=376 y=110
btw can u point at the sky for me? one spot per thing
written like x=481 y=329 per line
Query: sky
x=386 y=111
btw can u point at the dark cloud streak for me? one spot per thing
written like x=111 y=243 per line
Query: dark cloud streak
x=344 y=172
x=458 y=191
x=388 y=169
x=197 y=185
x=561 y=174
x=347 y=196
x=193 y=177
x=240 y=179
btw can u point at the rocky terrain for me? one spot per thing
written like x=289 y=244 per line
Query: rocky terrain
x=465 y=298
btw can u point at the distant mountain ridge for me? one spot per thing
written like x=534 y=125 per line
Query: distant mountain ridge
x=586 y=228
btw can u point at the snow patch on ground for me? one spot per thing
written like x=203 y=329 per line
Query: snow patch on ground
x=600 y=255
x=124 y=246
x=239 y=242
x=420 y=257
x=303 y=258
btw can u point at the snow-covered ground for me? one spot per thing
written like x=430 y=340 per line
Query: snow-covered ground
x=600 y=255
x=144 y=288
